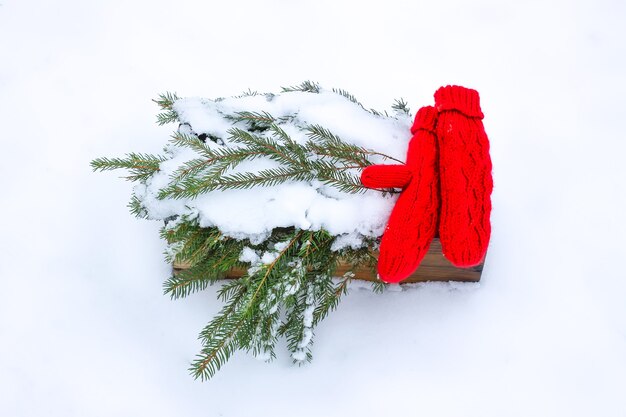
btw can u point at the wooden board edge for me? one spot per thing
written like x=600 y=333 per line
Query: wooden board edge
x=434 y=267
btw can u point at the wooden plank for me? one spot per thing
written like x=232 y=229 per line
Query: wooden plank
x=434 y=267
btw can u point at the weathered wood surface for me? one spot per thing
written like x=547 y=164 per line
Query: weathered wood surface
x=434 y=267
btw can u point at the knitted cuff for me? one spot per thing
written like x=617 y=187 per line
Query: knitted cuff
x=454 y=97
x=426 y=118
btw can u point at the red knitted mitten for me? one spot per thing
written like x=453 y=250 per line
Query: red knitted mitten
x=465 y=174
x=413 y=221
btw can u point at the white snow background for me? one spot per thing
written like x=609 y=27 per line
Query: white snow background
x=84 y=327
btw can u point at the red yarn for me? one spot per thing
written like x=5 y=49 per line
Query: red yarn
x=386 y=176
x=413 y=221
x=465 y=174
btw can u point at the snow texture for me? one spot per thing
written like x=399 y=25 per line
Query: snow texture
x=249 y=255
x=85 y=328
x=253 y=213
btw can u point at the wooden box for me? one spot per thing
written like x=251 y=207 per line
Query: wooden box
x=434 y=267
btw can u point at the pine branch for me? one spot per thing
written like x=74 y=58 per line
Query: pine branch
x=194 y=279
x=210 y=258
x=166 y=117
x=306 y=86
x=378 y=287
x=192 y=187
x=136 y=208
x=222 y=339
x=236 y=293
x=248 y=93
x=272 y=265
x=401 y=106
x=267 y=336
x=141 y=166
x=198 y=243
x=222 y=160
x=341 y=148
x=192 y=142
x=220 y=345
x=289 y=275
x=298 y=332
x=166 y=103
x=286 y=152
x=348 y=96
x=166 y=100
x=331 y=296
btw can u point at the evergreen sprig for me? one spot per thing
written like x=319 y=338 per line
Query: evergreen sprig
x=141 y=166
x=325 y=157
x=401 y=106
x=306 y=87
x=166 y=102
x=288 y=285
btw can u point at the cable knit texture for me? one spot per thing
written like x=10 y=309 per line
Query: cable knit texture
x=465 y=175
x=413 y=221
